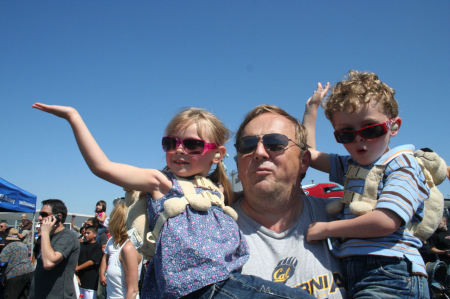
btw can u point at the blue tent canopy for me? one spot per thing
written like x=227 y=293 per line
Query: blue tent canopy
x=15 y=199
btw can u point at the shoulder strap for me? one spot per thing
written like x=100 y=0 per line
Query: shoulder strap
x=198 y=201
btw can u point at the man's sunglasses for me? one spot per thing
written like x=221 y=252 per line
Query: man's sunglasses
x=272 y=143
x=368 y=132
x=43 y=214
x=192 y=146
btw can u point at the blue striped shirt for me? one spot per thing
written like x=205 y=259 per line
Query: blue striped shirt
x=403 y=190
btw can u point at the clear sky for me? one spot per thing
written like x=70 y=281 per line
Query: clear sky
x=129 y=66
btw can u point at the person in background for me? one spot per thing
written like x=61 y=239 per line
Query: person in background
x=121 y=263
x=19 y=269
x=3 y=234
x=89 y=263
x=55 y=269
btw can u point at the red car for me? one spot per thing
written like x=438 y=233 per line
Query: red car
x=325 y=190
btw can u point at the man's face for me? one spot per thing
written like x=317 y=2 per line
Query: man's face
x=3 y=226
x=266 y=174
x=46 y=211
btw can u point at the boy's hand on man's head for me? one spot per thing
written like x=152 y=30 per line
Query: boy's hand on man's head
x=318 y=94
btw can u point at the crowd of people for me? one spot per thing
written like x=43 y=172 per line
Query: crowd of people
x=271 y=240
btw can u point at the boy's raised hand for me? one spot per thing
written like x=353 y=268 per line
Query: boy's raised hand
x=318 y=94
x=60 y=111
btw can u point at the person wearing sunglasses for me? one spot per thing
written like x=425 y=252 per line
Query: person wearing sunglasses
x=274 y=212
x=376 y=244
x=200 y=250
x=58 y=257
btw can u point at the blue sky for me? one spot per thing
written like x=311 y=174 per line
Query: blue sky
x=129 y=66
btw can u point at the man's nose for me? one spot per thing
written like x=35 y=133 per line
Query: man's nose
x=260 y=151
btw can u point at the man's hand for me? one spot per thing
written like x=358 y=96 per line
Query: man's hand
x=48 y=224
x=317 y=231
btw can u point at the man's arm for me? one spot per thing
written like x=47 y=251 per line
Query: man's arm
x=50 y=258
x=319 y=160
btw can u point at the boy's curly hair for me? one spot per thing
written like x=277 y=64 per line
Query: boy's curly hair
x=358 y=90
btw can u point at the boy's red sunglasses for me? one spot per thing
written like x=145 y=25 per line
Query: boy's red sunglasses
x=192 y=146
x=368 y=132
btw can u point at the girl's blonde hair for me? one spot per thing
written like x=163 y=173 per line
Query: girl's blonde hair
x=208 y=127
x=117 y=224
x=358 y=90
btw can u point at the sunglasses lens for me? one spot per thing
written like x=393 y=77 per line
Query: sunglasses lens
x=194 y=146
x=169 y=143
x=43 y=214
x=246 y=144
x=275 y=142
x=345 y=136
x=373 y=131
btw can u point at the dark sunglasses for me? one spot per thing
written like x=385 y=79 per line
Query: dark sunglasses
x=43 y=214
x=192 y=146
x=368 y=132
x=272 y=143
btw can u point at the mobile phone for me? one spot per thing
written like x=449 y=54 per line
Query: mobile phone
x=58 y=220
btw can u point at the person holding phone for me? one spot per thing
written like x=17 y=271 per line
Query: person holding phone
x=56 y=262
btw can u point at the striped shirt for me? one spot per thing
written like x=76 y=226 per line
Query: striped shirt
x=403 y=190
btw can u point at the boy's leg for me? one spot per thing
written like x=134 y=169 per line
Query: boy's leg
x=383 y=277
x=88 y=294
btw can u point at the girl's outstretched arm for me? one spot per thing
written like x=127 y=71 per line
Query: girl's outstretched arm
x=319 y=160
x=127 y=176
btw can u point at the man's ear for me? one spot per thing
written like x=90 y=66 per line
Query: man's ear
x=396 y=126
x=305 y=160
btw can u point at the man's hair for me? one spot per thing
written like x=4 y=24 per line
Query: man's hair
x=358 y=90
x=58 y=207
x=94 y=221
x=300 y=131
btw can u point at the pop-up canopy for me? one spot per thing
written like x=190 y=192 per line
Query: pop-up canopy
x=15 y=199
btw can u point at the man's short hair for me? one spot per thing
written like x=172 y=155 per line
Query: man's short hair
x=58 y=207
x=300 y=131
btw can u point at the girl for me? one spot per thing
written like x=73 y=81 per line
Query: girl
x=123 y=260
x=100 y=214
x=198 y=253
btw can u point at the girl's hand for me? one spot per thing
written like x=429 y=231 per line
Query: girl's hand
x=318 y=94
x=316 y=231
x=60 y=111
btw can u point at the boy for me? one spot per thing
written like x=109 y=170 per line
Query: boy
x=89 y=263
x=380 y=257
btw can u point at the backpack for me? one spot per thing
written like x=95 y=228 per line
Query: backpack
x=434 y=169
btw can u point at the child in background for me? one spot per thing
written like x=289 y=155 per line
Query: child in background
x=100 y=214
x=89 y=263
x=380 y=257
x=198 y=253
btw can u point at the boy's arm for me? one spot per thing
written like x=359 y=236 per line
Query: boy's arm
x=377 y=223
x=84 y=265
x=319 y=160
x=127 y=176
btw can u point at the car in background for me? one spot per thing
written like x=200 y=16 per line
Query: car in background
x=324 y=190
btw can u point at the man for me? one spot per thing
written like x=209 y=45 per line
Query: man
x=54 y=274
x=3 y=234
x=274 y=213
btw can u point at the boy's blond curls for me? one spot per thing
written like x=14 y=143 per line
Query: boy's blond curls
x=358 y=90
